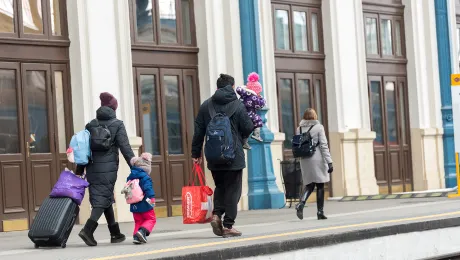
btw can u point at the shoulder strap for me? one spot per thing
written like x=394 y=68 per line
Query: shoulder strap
x=211 y=109
x=308 y=129
x=233 y=107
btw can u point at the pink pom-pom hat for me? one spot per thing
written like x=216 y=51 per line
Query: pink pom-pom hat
x=253 y=83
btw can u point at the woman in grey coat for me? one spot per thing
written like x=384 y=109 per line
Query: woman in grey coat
x=315 y=169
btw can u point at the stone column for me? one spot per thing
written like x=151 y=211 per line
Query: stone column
x=268 y=76
x=351 y=141
x=101 y=49
x=424 y=94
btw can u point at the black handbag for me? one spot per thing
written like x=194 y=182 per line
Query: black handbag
x=302 y=145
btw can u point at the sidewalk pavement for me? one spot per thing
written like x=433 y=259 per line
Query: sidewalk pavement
x=263 y=230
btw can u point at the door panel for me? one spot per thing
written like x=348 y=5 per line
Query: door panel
x=149 y=107
x=167 y=105
x=13 y=188
x=39 y=133
x=389 y=114
x=175 y=138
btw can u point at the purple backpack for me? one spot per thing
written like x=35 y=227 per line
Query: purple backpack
x=71 y=186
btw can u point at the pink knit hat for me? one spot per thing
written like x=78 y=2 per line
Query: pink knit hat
x=253 y=83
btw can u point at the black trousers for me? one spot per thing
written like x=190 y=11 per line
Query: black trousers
x=227 y=195
x=96 y=214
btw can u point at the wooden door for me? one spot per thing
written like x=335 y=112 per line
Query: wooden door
x=389 y=113
x=34 y=131
x=167 y=104
x=296 y=93
x=39 y=133
x=13 y=175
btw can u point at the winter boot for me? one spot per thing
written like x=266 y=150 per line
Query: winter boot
x=86 y=234
x=115 y=235
x=256 y=135
x=320 y=204
x=303 y=201
x=299 y=208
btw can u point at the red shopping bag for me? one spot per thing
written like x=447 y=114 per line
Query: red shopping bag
x=197 y=200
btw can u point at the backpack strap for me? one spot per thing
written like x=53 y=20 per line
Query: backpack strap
x=212 y=110
x=308 y=129
x=233 y=107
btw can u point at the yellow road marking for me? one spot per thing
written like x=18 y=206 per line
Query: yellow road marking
x=235 y=241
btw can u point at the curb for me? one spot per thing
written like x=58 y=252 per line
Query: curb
x=270 y=248
x=395 y=196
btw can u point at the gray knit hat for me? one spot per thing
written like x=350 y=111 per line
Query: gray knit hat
x=144 y=162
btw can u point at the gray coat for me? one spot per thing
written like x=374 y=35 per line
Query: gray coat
x=314 y=169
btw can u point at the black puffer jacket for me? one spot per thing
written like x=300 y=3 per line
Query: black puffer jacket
x=101 y=173
x=241 y=122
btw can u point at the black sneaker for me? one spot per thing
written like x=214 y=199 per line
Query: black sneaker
x=136 y=240
x=141 y=235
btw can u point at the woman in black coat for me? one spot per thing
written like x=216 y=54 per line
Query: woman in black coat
x=101 y=172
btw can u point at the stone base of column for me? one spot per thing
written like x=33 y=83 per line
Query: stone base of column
x=353 y=156
x=427 y=159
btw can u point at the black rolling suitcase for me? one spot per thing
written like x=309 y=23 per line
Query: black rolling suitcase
x=54 y=222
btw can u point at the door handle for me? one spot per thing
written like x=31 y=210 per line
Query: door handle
x=28 y=150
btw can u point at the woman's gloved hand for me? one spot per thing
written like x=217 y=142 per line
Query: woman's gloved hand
x=331 y=169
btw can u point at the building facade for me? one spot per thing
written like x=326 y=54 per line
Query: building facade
x=377 y=72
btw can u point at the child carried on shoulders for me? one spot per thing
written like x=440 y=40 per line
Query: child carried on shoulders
x=251 y=97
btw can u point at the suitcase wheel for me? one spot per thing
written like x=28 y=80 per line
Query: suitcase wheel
x=63 y=244
x=36 y=246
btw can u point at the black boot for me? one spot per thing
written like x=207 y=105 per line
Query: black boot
x=299 y=208
x=115 y=235
x=87 y=233
x=303 y=200
x=320 y=203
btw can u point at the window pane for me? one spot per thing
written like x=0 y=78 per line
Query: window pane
x=173 y=114
x=376 y=111
x=392 y=125
x=60 y=112
x=32 y=16
x=402 y=112
x=168 y=21
x=318 y=100
x=190 y=112
x=144 y=20
x=385 y=28
x=186 y=22
x=9 y=139
x=287 y=111
x=303 y=86
x=371 y=36
x=149 y=111
x=6 y=16
x=282 y=29
x=300 y=31
x=398 y=38
x=314 y=31
x=37 y=110
x=55 y=18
